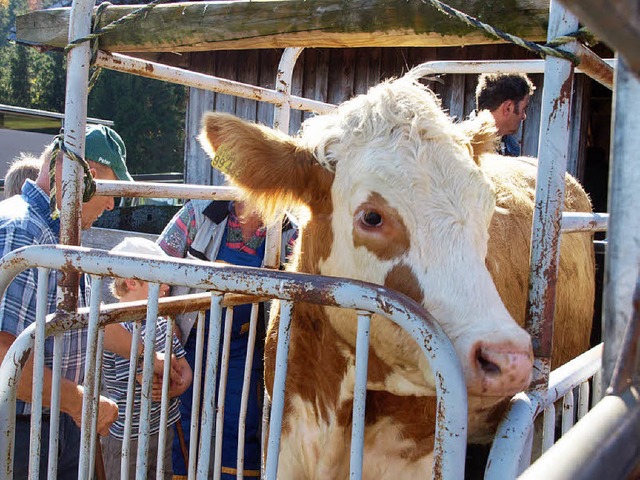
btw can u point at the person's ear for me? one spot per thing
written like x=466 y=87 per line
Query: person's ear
x=94 y=172
x=131 y=283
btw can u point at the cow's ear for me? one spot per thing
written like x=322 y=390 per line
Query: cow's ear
x=482 y=134
x=273 y=169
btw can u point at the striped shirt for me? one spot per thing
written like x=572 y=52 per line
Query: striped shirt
x=25 y=220
x=115 y=371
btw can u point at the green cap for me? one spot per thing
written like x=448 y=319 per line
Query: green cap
x=103 y=145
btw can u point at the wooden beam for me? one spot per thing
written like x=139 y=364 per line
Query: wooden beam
x=202 y=26
x=616 y=23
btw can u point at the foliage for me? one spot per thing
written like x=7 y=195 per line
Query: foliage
x=148 y=114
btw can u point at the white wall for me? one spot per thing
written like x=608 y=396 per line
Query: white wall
x=12 y=142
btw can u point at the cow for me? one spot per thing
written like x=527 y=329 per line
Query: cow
x=394 y=193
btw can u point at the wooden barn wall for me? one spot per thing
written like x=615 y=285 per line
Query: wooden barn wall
x=335 y=75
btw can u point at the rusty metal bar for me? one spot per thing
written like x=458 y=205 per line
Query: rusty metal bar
x=211 y=369
x=359 y=395
x=622 y=262
x=164 y=406
x=549 y=202
x=131 y=388
x=146 y=68
x=195 y=399
x=599 y=69
x=89 y=408
x=604 y=444
x=222 y=392
x=626 y=367
x=509 y=445
x=115 y=188
x=35 y=432
x=246 y=384
x=142 y=457
x=584 y=222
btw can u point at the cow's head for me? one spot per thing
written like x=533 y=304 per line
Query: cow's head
x=395 y=197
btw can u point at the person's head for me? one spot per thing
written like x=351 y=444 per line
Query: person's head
x=23 y=167
x=130 y=289
x=106 y=155
x=506 y=96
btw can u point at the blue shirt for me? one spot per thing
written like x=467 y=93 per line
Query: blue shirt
x=26 y=220
x=115 y=370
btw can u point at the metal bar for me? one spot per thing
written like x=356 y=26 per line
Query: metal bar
x=147 y=379
x=131 y=393
x=284 y=78
x=359 y=395
x=626 y=367
x=54 y=409
x=277 y=400
x=164 y=405
x=145 y=68
x=115 y=188
x=567 y=412
x=211 y=373
x=599 y=69
x=89 y=408
x=195 y=400
x=584 y=222
x=548 y=427
x=549 y=202
x=246 y=386
x=75 y=118
x=37 y=380
x=604 y=444
x=583 y=400
x=94 y=398
x=622 y=262
x=222 y=393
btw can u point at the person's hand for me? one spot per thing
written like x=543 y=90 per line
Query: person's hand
x=107 y=414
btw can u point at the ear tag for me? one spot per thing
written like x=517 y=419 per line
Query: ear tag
x=223 y=160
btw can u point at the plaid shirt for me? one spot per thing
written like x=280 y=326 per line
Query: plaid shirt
x=25 y=220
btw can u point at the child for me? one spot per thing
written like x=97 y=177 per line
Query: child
x=116 y=378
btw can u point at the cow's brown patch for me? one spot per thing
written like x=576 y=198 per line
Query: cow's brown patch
x=317 y=363
x=390 y=238
x=316 y=241
x=414 y=416
x=402 y=279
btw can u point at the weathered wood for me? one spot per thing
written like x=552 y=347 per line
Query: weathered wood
x=201 y=26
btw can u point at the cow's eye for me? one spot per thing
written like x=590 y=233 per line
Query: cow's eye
x=372 y=218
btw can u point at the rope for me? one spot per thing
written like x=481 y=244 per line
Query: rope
x=542 y=50
x=89 y=182
x=95 y=35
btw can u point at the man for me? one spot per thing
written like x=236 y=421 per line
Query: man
x=24 y=166
x=506 y=96
x=26 y=220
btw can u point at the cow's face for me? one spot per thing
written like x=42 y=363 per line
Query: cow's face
x=396 y=199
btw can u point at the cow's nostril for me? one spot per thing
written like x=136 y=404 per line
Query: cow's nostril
x=486 y=365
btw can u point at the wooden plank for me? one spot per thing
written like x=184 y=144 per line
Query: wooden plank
x=246 y=24
x=247 y=73
x=295 y=120
x=268 y=64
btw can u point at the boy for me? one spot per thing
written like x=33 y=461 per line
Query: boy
x=116 y=378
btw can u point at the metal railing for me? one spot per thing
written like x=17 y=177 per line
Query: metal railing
x=365 y=298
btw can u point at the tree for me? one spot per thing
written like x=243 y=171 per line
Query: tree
x=149 y=114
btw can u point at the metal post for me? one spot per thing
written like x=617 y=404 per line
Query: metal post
x=75 y=120
x=623 y=251
x=545 y=240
